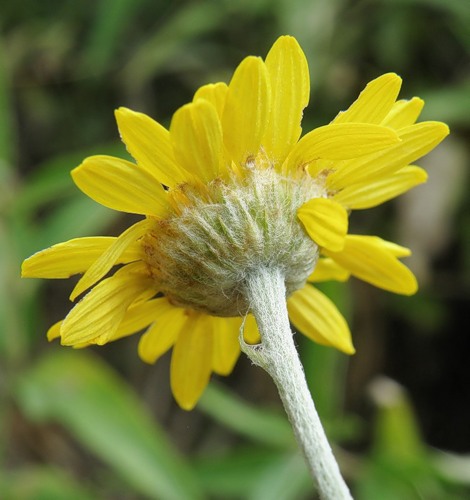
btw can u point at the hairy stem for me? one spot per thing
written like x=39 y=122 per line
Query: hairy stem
x=277 y=354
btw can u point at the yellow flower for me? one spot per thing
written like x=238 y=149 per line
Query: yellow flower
x=227 y=189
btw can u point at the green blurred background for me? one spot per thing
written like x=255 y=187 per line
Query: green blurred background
x=98 y=423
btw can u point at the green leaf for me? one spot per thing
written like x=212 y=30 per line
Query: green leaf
x=258 y=424
x=236 y=473
x=167 y=43
x=82 y=394
x=251 y=472
x=79 y=216
x=454 y=7
x=51 y=180
x=397 y=433
x=41 y=483
x=110 y=20
x=449 y=104
x=452 y=466
x=6 y=117
x=400 y=465
x=12 y=317
x=286 y=479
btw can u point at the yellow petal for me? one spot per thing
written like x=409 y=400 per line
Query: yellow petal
x=340 y=141
x=314 y=315
x=98 y=315
x=403 y=113
x=110 y=257
x=215 y=93
x=246 y=110
x=191 y=361
x=81 y=346
x=416 y=141
x=120 y=185
x=395 y=249
x=374 y=102
x=226 y=345
x=369 y=260
x=290 y=91
x=54 y=331
x=196 y=136
x=326 y=270
x=370 y=194
x=140 y=315
x=149 y=144
x=387 y=246
x=164 y=332
x=325 y=221
x=250 y=330
x=73 y=257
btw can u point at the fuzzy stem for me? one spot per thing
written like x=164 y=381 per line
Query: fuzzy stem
x=277 y=354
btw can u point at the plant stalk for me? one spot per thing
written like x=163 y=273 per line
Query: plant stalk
x=266 y=293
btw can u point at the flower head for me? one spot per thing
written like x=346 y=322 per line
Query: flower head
x=230 y=188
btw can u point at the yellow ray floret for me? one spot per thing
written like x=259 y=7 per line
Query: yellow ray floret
x=415 y=141
x=374 y=102
x=340 y=141
x=191 y=360
x=97 y=316
x=370 y=194
x=140 y=315
x=215 y=93
x=372 y=260
x=250 y=330
x=149 y=144
x=246 y=110
x=403 y=113
x=73 y=257
x=196 y=136
x=111 y=256
x=290 y=91
x=226 y=347
x=120 y=185
x=326 y=222
x=164 y=332
x=318 y=318
x=327 y=269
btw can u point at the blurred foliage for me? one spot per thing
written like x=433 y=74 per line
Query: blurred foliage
x=100 y=424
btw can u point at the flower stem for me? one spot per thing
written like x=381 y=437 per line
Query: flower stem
x=277 y=354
